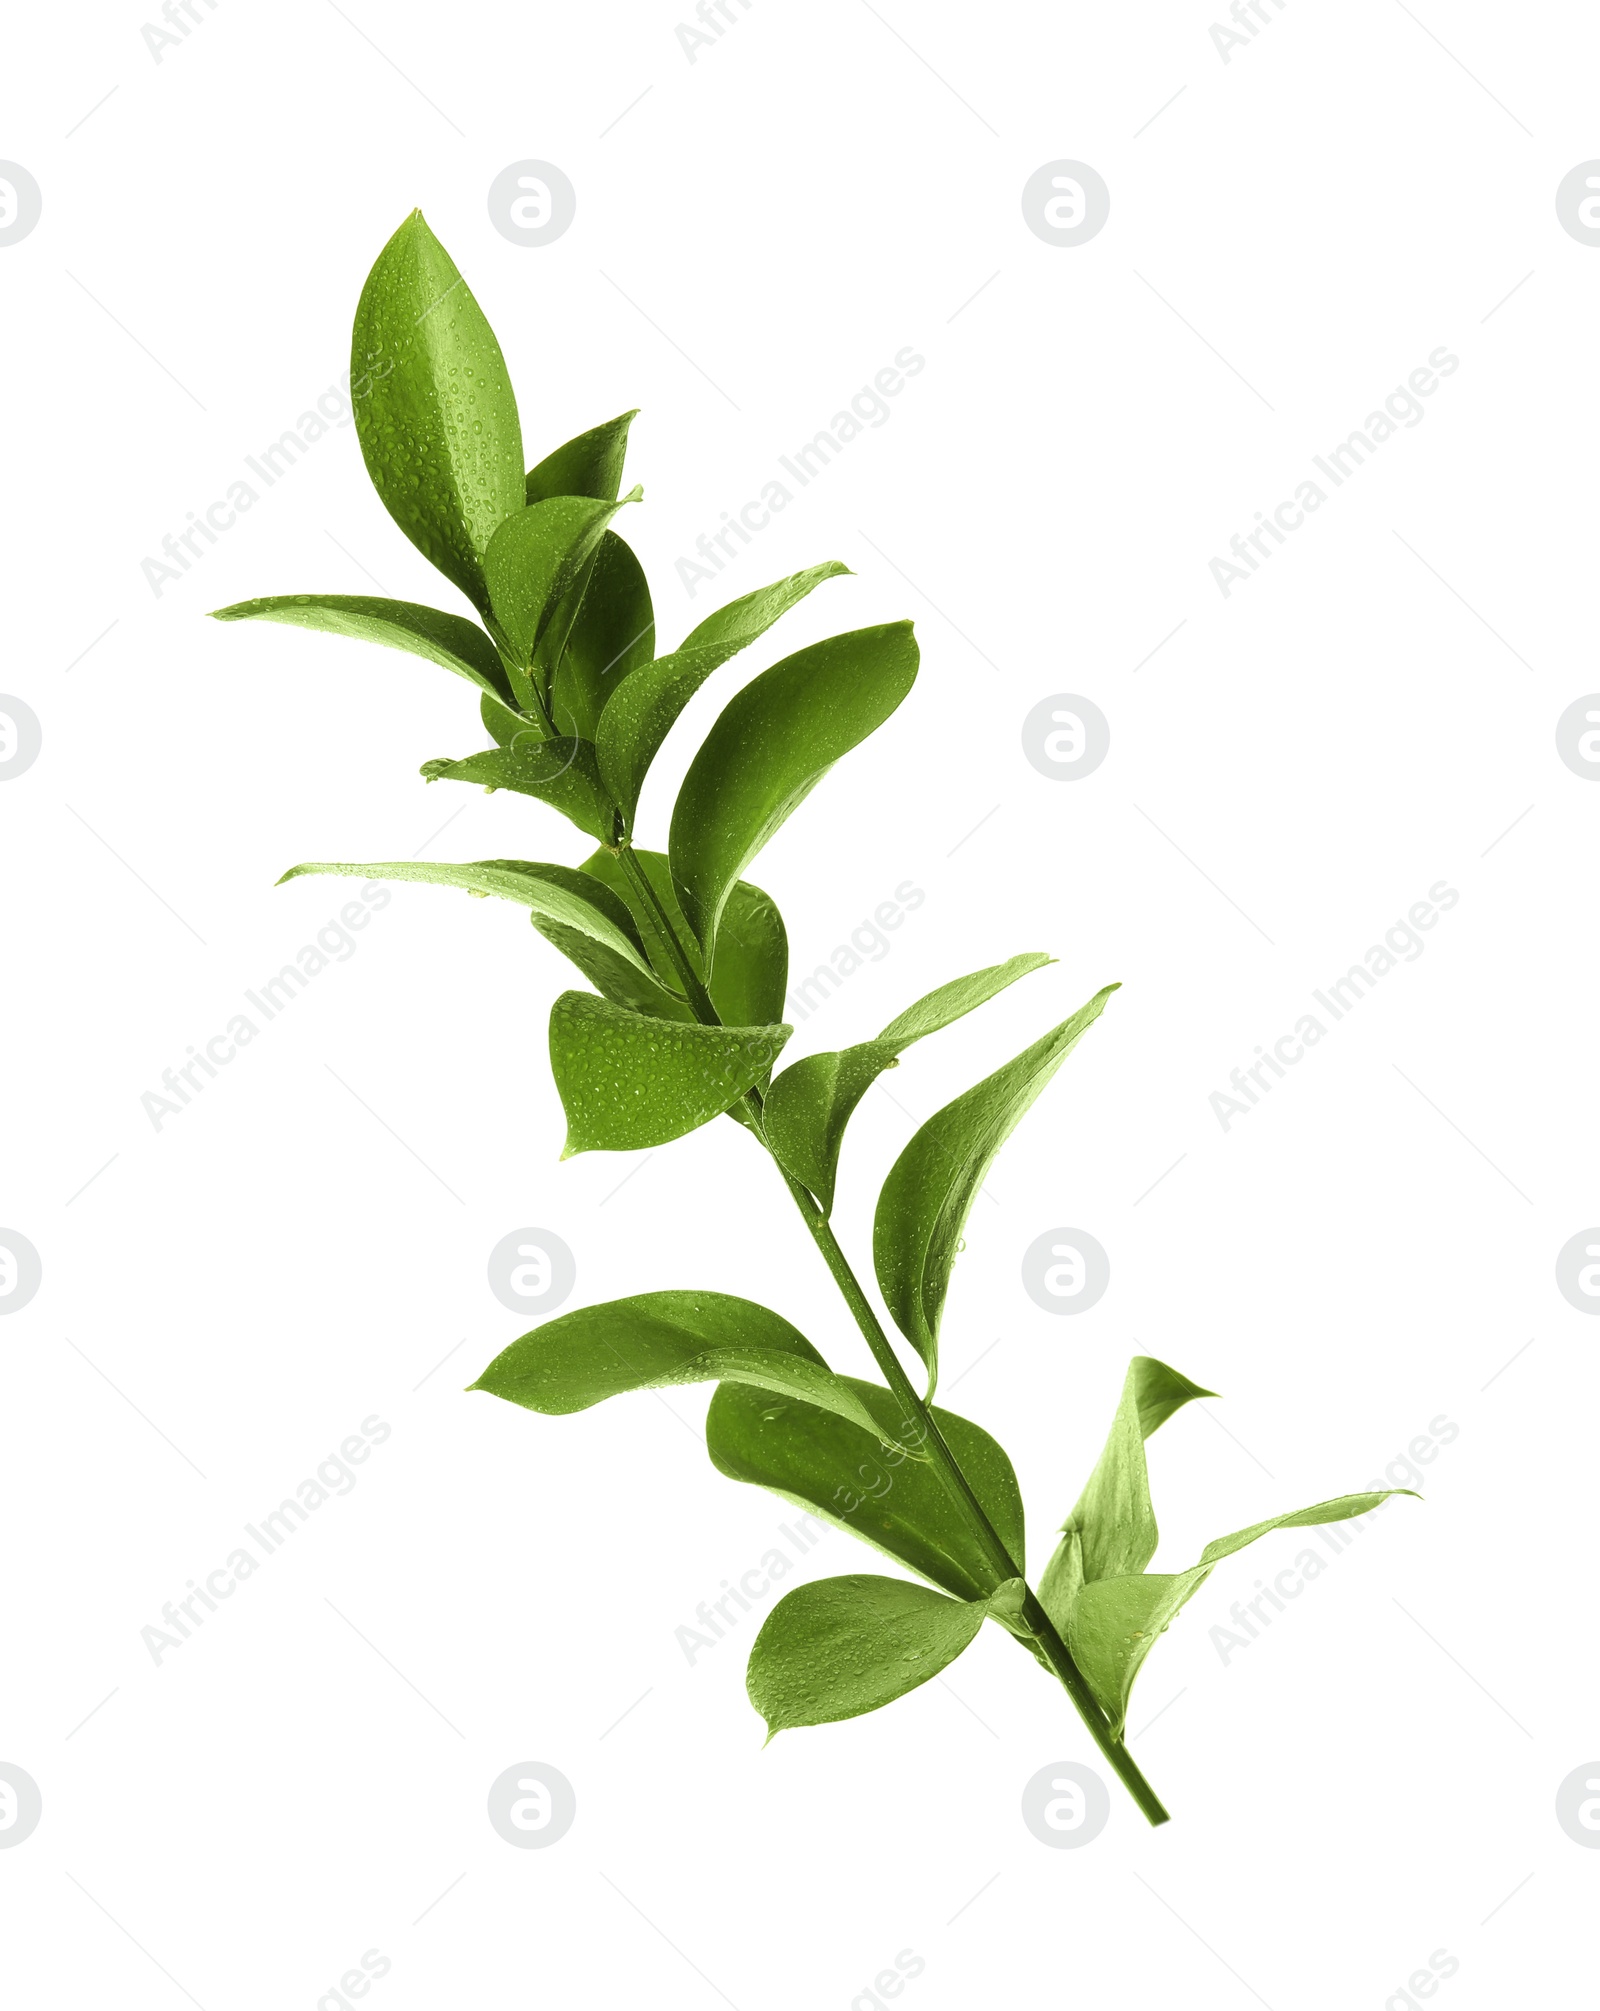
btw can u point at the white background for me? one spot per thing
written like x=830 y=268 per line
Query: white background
x=1371 y=1780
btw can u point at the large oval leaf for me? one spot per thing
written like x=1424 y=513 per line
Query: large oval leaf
x=627 y=1082
x=842 y=1646
x=558 y=771
x=814 y=1099
x=590 y=465
x=434 y=407
x=559 y=894
x=771 y=746
x=446 y=639
x=841 y=1473
x=637 y=721
x=659 y=1339
x=925 y=1200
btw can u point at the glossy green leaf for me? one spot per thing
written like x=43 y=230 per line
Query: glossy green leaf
x=559 y=772
x=434 y=408
x=1112 y=1531
x=616 y=977
x=751 y=974
x=558 y=894
x=505 y=723
x=842 y=1646
x=635 y=722
x=813 y=1100
x=659 y=1339
x=925 y=1200
x=627 y=1082
x=445 y=639
x=895 y=1502
x=612 y=635
x=590 y=465
x=771 y=746
x=534 y=557
x=1115 y=1622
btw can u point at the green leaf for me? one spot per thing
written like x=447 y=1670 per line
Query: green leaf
x=615 y=977
x=1112 y=1531
x=1115 y=1622
x=626 y=1081
x=925 y=1200
x=751 y=974
x=535 y=557
x=559 y=772
x=445 y=639
x=612 y=635
x=434 y=407
x=771 y=746
x=659 y=1339
x=842 y=1646
x=813 y=1100
x=558 y=894
x=505 y=723
x=635 y=722
x=841 y=1473
x=590 y=465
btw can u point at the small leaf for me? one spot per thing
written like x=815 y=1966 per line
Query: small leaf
x=627 y=1082
x=843 y=1646
x=751 y=974
x=633 y=727
x=897 y=1504
x=771 y=746
x=660 y=1339
x=434 y=407
x=813 y=1100
x=615 y=977
x=612 y=635
x=1115 y=1622
x=559 y=894
x=445 y=639
x=534 y=557
x=1112 y=1531
x=590 y=465
x=559 y=772
x=930 y=1189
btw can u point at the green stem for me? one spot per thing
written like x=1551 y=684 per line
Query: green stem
x=1038 y=1622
